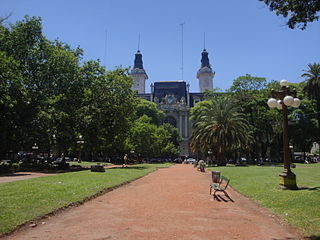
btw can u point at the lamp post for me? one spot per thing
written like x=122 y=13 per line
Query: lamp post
x=210 y=155
x=54 y=150
x=80 y=142
x=287 y=177
x=35 y=148
x=132 y=155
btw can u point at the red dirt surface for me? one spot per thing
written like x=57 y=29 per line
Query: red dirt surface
x=171 y=203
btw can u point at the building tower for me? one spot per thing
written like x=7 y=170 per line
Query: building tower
x=139 y=74
x=205 y=74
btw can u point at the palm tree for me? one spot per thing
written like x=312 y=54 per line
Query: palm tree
x=312 y=86
x=218 y=124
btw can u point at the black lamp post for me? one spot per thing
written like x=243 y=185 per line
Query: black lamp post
x=80 y=142
x=210 y=156
x=287 y=177
x=35 y=148
x=54 y=150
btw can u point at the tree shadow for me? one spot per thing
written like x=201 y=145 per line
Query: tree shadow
x=128 y=168
x=314 y=237
x=309 y=188
x=287 y=238
x=14 y=174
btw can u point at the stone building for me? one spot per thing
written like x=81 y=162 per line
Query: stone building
x=174 y=97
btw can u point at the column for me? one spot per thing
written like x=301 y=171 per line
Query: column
x=180 y=124
x=186 y=125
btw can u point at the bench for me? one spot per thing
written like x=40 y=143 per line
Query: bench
x=221 y=186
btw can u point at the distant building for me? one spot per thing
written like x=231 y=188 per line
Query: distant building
x=174 y=97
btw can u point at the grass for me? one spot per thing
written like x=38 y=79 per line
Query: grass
x=23 y=201
x=299 y=208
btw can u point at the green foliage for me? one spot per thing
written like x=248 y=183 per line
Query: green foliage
x=45 y=90
x=149 y=109
x=299 y=208
x=248 y=83
x=218 y=125
x=149 y=140
x=312 y=82
x=300 y=13
x=312 y=89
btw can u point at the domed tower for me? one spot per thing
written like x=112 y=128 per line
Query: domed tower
x=138 y=74
x=205 y=73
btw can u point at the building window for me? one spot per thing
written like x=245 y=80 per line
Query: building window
x=171 y=120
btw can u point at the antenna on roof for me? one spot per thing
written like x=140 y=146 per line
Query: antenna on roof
x=182 y=24
x=139 y=42
x=105 y=49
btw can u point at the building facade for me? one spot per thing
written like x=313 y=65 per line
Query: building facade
x=174 y=97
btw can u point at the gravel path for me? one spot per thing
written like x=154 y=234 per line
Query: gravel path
x=171 y=203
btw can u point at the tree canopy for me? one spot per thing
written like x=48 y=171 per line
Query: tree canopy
x=299 y=13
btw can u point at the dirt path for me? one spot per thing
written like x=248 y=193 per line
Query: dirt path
x=18 y=176
x=172 y=203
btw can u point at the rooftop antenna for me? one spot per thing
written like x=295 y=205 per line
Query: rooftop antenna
x=139 y=42
x=105 y=49
x=182 y=24
x=204 y=40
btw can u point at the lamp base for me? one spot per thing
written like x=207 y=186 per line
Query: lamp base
x=287 y=180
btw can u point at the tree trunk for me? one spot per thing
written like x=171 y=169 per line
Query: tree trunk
x=221 y=158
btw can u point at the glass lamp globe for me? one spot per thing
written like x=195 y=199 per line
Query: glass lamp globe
x=296 y=102
x=272 y=103
x=279 y=104
x=283 y=83
x=288 y=100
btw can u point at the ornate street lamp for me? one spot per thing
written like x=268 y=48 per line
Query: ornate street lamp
x=285 y=99
x=80 y=142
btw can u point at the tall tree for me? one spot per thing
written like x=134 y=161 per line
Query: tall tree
x=312 y=87
x=299 y=12
x=218 y=125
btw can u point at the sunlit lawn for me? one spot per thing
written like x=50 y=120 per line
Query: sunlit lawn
x=299 y=208
x=25 y=200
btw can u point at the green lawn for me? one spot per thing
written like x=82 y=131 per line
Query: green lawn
x=299 y=208
x=25 y=200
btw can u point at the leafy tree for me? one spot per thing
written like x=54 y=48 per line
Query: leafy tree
x=46 y=91
x=107 y=108
x=250 y=93
x=300 y=13
x=312 y=87
x=219 y=125
x=248 y=83
x=148 y=139
x=303 y=127
x=150 y=109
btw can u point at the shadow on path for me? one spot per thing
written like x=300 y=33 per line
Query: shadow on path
x=220 y=198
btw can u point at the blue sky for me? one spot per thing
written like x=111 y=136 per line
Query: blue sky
x=241 y=36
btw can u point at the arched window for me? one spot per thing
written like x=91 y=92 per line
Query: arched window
x=171 y=120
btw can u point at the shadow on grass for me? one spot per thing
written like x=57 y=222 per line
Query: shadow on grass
x=309 y=188
x=14 y=174
x=128 y=168
x=312 y=238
